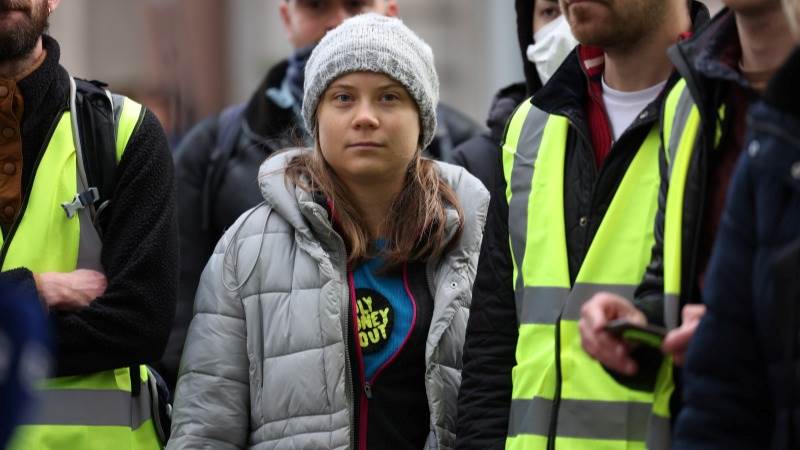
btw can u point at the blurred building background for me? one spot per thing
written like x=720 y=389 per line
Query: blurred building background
x=187 y=59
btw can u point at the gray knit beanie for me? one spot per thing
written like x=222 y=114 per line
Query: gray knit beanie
x=374 y=43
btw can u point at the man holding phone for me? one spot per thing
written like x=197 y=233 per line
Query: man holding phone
x=724 y=69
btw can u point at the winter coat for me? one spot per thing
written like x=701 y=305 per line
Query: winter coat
x=741 y=379
x=265 y=365
x=207 y=207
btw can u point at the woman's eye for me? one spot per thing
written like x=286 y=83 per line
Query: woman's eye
x=390 y=97
x=342 y=98
x=551 y=13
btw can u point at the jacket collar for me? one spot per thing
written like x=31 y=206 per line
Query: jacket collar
x=264 y=118
x=712 y=54
x=36 y=86
x=783 y=91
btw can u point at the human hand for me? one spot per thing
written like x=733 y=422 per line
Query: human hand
x=677 y=341
x=70 y=290
x=601 y=345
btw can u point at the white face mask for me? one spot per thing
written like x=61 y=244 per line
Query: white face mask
x=552 y=43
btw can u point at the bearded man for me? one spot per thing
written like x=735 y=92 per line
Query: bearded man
x=580 y=223
x=104 y=270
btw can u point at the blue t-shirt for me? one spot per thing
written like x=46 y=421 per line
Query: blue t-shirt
x=385 y=312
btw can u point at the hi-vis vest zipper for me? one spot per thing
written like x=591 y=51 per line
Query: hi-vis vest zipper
x=97 y=410
x=561 y=397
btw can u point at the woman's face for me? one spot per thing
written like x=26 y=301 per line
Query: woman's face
x=369 y=127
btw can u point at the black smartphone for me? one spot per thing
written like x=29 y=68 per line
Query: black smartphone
x=650 y=335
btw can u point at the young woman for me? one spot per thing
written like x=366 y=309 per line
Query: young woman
x=333 y=314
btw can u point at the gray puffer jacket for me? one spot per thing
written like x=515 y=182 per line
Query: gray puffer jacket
x=266 y=363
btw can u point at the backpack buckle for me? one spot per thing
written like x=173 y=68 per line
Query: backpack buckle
x=81 y=201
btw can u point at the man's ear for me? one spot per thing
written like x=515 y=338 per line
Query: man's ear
x=283 y=10
x=52 y=5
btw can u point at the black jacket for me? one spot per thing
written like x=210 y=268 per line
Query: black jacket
x=479 y=154
x=741 y=373
x=492 y=331
x=204 y=214
x=129 y=324
x=697 y=60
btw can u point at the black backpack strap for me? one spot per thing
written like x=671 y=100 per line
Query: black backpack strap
x=229 y=126
x=96 y=124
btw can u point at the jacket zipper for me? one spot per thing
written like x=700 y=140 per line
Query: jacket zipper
x=366 y=393
x=348 y=379
x=12 y=231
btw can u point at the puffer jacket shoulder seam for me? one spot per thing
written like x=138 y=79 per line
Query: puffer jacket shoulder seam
x=213 y=313
x=196 y=437
x=214 y=375
x=256 y=294
x=301 y=351
x=301 y=416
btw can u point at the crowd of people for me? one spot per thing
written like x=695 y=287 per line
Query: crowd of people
x=344 y=262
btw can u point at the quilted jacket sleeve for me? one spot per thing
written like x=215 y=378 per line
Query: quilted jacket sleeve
x=649 y=296
x=212 y=401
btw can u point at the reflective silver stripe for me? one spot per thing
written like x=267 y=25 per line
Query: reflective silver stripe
x=671 y=310
x=543 y=305
x=89 y=243
x=530 y=417
x=659 y=433
x=527 y=149
x=582 y=292
x=589 y=419
x=91 y=407
x=682 y=111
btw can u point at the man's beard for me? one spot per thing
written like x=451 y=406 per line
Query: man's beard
x=18 y=41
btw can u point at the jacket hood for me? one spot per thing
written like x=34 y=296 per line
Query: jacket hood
x=281 y=194
x=525 y=37
x=295 y=205
x=503 y=106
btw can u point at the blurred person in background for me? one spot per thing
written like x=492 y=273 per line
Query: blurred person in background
x=741 y=377
x=581 y=222
x=332 y=315
x=217 y=161
x=545 y=39
x=87 y=216
x=724 y=69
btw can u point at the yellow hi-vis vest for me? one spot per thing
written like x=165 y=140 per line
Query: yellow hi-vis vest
x=87 y=412
x=682 y=135
x=561 y=396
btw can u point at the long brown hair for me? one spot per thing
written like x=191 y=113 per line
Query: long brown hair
x=415 y=228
